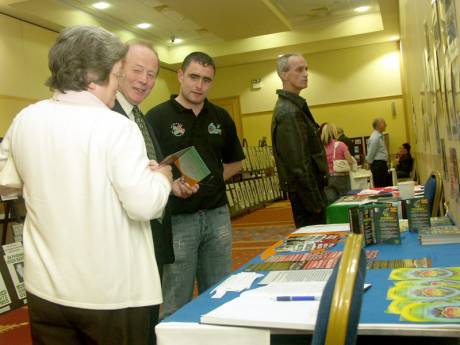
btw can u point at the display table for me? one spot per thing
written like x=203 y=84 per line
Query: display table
x=184 y=326
x=337 y=212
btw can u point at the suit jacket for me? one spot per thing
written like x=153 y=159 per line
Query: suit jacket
x=162 y=232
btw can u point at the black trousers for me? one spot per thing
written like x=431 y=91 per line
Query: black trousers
x=55 y=324
x=380 y=174
x=302 y=216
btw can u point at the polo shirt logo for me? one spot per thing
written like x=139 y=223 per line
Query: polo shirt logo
x=177 y=129
x=214 y=129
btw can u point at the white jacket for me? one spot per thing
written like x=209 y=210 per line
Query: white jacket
x=89 y=196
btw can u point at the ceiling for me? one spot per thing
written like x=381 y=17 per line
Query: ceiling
x=232 y=31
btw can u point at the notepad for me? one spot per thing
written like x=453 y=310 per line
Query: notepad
x=258 y=308
x=190 y=164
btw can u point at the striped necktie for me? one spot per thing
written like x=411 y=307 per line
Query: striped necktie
x=140 y=120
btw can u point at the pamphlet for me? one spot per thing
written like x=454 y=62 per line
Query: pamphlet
x=190 y=164
x=451 y=273
x=398 y=263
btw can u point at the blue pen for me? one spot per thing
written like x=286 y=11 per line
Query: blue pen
x=296 y=298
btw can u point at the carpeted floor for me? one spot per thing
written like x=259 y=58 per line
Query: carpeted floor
x=252 y=233
x=258 y=230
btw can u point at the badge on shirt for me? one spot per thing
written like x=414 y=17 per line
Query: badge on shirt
x=214 y=129
x=177 y=129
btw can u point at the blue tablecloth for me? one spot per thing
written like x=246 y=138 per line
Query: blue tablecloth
x=374 y=301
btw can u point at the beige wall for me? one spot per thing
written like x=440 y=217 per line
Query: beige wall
x=414 y=15
x=346 y=85
x=336 y=76
x=24 y=69
x=349 y=87
x=354 y=117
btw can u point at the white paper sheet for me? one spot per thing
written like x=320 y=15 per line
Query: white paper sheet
x=264 y=312
x=323 y=228
x=236 y=282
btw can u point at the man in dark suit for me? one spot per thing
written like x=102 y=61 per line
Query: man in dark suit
x=139 y=73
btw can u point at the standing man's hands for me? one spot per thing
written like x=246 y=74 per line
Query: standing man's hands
x=182 y=189
x=179 y=187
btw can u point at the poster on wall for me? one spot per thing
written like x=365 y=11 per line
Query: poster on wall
x=448 y=18
x=456 y=98
x=444 y=159
x=423 y=116
x=439 y=103
x=450 y=108
x=414 y=120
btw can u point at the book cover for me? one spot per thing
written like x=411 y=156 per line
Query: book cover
x=418 y=214
x=386 y=224
x=379 y=223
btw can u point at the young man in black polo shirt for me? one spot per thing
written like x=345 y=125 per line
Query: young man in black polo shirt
x=201 y=225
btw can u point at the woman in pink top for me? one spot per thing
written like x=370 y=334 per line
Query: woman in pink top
x=339 y=182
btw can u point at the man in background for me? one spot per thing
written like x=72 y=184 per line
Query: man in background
x=377 y=154
x=344 y=139
x=139 y=73
x=202 y=233
x=299 y=153
x=405 y=162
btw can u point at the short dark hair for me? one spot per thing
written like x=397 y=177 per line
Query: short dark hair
x=81 y=55
x=406 y=146
x=200 y=57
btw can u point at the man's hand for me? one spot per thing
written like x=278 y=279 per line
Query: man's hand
x=182 y=189
x=163 y=169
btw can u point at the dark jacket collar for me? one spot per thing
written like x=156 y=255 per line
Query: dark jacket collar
x=295 y=98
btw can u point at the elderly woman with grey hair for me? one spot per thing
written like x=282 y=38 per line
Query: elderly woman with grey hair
x=90 y=270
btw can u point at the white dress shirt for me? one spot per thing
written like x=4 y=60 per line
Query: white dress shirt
x=376 y=148
x=89 y=195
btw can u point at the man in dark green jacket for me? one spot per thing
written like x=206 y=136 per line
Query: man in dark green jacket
x=299 y=153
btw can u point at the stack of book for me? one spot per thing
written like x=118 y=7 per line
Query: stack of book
x=378 y=223
x=443 y=234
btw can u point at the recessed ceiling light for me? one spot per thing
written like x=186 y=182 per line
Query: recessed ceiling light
x=101 y=5
x=176 y=40
x=144 y=25
x=361 y=9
